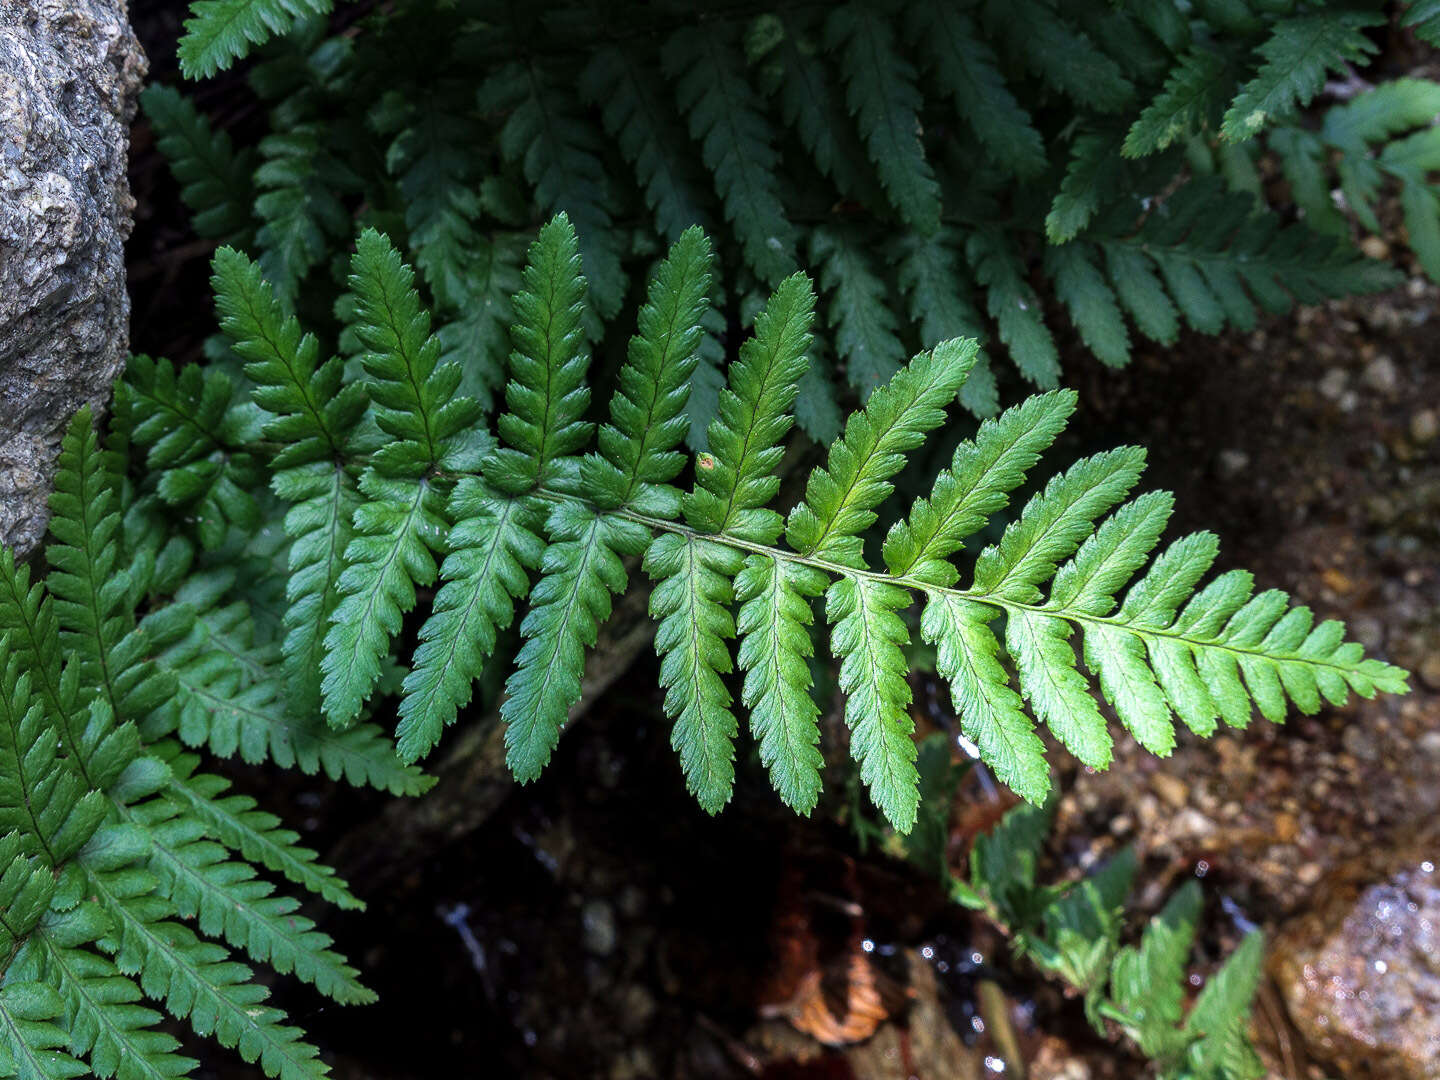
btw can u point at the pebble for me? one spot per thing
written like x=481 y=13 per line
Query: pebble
x=1424 y=426
x=1430 y=671
x=1380 y=375
x=597 y=924
x=1170 y=788
x=1375 y=248
x=1333 y=383
x=1232 y=462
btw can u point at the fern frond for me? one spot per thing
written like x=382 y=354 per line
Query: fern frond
x=193 y=438
x=230 y=901
x=230 y=699
x=882 y=96
x=840 y=498
x=560 y=155
x=639 y=116
x=1091 y=175
x=865 y=330
x=1423 y=17
x=1299 y=53
x=927 y=271
x=1014 y=306
x=638 y=456
x=1194 y=95
x=691 y=601
x=236 y=823
x=791 y=70
x=736 y=143
x=44 y=801
x=494 y=542
x=1093 y=305
x=1041 y=38
x=102 y=1018
x=396 y=530
x=1148 y=981
x=215 y=181
x=546 y=395
x=91 y=590
x=315 y=419
x=219 y=32
x=580 y=571
x=868 y=634
x=301 y=212
x=962 y=64
x=197 y=980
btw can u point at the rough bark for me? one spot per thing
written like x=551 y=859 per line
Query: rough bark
x=70 y=71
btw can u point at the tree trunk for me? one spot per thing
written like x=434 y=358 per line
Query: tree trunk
x=70 y=71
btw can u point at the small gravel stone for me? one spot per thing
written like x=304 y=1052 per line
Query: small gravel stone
x=1333 y=383
x=597 y=924
x=1424 y=426
x=1232 y=462
x=1380 y=375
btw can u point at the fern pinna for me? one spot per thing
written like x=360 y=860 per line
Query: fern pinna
x=129 y=874
x=1073 y=932
x=552 y=515
x=929 y=164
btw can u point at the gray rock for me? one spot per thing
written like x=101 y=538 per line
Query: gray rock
x=70 y=71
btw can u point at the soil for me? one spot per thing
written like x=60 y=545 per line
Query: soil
x=600 y=925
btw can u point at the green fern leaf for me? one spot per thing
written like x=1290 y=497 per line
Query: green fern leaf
x=982 y=473
x=102 y=1018
x=43 y=800
x=1093 y=305
x=990 y=712
x=230 y=901
x=494 y=541
x=396 y=531
x=1148 y=982
x=1014 y=307
x=560 y=155
x=1092 y=172
x=315 y=419
x=219 y=32
x=547 y=396
x=302 y=214
x=691 y=599
x=865 y=330
x=964 y=67
x=637 y=456
x=414 y=395
x=881 y=93
x=92 y=592
x=581 y=569
x=1067 y=59
x=1298 y=55
x=195 y=979
x=790 y=66
x=258 y=836
x=215 y=181
x=736 y=143
x=927 y=272
x=639 y=116
x=869 y=639
x=840 y=498
x=1194 y=94
x=775 y=650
